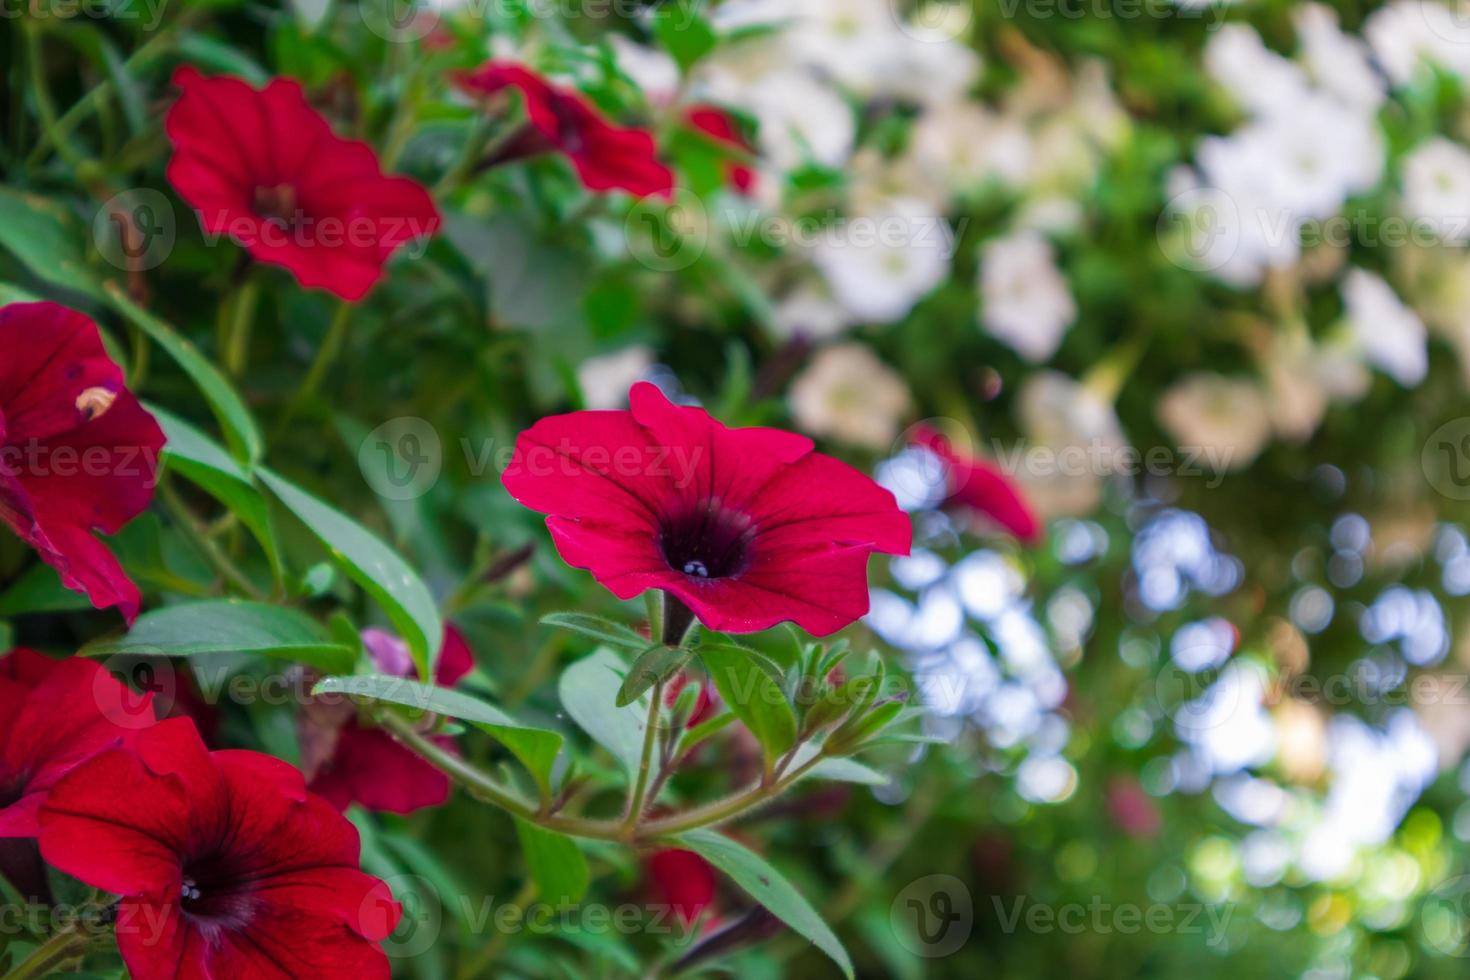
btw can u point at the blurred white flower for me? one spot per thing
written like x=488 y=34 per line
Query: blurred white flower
x=1437 y=188
x=961 y=146
x=1074 y=440
x=1338 y=62
x=1025 y=302
x=848 y=394
x=1227 y=418
x=800 y=120
x=880 y=264
x=1392 y=335
x=810 y=311
x=653 y=71
x=605 y=380
x=1303 y=378
x=1410 y=35
x=1258 y=78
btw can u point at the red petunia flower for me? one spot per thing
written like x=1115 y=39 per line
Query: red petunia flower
x=264 y=167
x=78 y=454
x=607 y=157
x=747 y=527
x=55 y=715
x=982 y=487
x=717 y=124
x=349 y=763
x=683 y=881
x=226 y=865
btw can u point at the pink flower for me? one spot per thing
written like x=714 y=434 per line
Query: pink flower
x=746 y=527
x=980 y=486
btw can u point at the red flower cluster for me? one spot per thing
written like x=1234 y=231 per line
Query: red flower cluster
x=981 y=487
x=347 y=763
x=607 y=157
x=227 y=866
x=747 y=527
x=78 y=454
x=264 y=167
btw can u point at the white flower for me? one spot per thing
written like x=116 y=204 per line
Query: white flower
x=810 y=312
x=1227 y=418
x=654 y=72
x=1437 y=187
x=605 y=380
x=961 y=145
x=1258 y=78
x=1392 y=335
x=1410 y=35
x=1025 y=300
x=848 y=394
x=880 y=264
x=800 y=120
x=1303 y=378
x=1074 y=440
x=1338 y=62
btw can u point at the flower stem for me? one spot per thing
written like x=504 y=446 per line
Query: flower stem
x=640 y=785
x=727 y=810
x=198 y=534
x=326 y=355
x=48 y=958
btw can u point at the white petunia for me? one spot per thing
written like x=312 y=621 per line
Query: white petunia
x=1225 y=418
x=879 y=265
x=1025 y=300
x=605 y=380
x=848 y=394
x=1437 y=188
x=1392 y=335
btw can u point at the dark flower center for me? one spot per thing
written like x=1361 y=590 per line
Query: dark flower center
x=708 y=541
x=215 y=895
x=277 y=204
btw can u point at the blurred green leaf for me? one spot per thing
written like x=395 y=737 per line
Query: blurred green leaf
x=556 y=864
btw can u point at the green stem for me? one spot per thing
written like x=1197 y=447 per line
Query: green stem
x=326 y=356
x=726 y=811
x=48 y=958
x=50 y=125
x=242 y=319
x=645 y=765
x=478 y=146
x=480 y=965
x=198 y=534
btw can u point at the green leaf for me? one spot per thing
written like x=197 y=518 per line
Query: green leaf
x=705 y=730
x=683 y=32
x=587 y=690
x=203 y=462
x=557 y=865
x=40 y=590
x=654 y=666
x=239 y=427
x=47 y=238
x=229 y=626
x=753 y=695
x=763 y=883
x=598 y=628
x=842 y=771
x=536 y=748
x=370 y=563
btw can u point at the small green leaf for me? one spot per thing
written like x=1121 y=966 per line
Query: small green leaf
x=587 y=690
x=764 y=883
x=239 y=427
x=598 y=628
x=654 y=666
x=684 y=32
x=229 y=626
x=47 y=238
x=40 y=590
x=536 y=748
x=201 y=461
x=753 y=695
x=557 y=865
x=844 y=771
x=370 y=563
